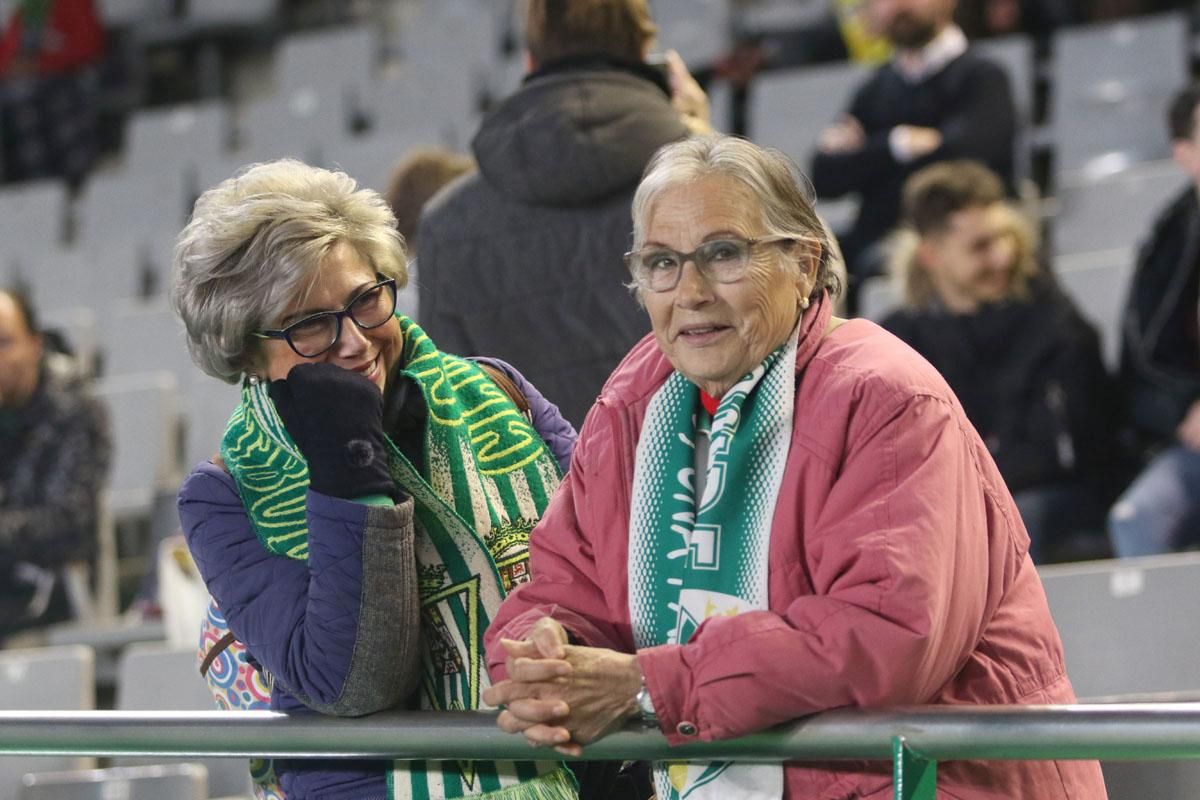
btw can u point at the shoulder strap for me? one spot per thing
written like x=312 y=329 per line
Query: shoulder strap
x=508 y=386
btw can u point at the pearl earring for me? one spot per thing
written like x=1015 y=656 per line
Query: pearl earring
x=804 y=302
x=255 y=380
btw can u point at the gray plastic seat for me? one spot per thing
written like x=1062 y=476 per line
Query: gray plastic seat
x=1116 y=211
x=788 y=109
x=1114 y=618
x=1112 y=83
x=336 y=63
x=700 y=30
x=160 y=782
x=156 y=677
x=877 y=297
x=371 y=159
x=144 y=409
x=32 y=220
x=44 y=679
x=1015 y=55
x=183 y=134
x=1099 y=283
x=291 y=126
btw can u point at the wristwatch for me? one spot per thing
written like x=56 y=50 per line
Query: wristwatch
x=646 y=706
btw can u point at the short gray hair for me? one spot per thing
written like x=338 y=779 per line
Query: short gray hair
x=256 y=240
x=783 y=192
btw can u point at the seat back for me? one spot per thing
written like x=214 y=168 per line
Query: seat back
x=44 y=679
x=1115 y=618
x=1115 y=211
x=788 y=109
x=1112 y=83
x=1098 y=283
x=162 y=782
x=157 y=677
x=144 y=409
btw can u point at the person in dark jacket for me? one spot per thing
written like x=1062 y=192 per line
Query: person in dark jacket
x=523 y=260
x=1023 y=362
x=373 y=495
x=1160 y=363
x=55 y=451
x=935 y=100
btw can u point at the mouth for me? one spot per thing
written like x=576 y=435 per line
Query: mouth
x=701 y=334
x=370 y=370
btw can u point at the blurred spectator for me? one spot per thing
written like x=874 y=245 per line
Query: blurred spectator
x=48 y=88
x=417 y=178
x=981 y=19
x=1016 y=352
x=842 y=32
x=1160 y=363
x=935 y=100
x=54 y=438
x=523 y=260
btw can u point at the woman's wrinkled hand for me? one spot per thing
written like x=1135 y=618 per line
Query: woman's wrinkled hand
x=562 y=695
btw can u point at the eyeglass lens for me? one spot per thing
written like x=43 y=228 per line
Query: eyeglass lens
x=721 y=260
x=314 y=335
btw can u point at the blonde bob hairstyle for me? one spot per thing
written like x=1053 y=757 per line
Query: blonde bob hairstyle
x=784 y=194
x=256 y=242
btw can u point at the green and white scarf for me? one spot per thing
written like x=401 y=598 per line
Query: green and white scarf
x=488 y=478
x=689 y=561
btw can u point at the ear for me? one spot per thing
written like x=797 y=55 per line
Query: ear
x=929 y=255
x=1183 y=152
x=528 y=62
x=807 y=257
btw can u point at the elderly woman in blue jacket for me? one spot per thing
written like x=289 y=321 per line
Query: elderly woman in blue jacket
x=372 y=500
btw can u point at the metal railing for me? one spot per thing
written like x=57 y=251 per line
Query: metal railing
x=913 y=738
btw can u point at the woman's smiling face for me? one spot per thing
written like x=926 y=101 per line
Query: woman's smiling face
x=714 y=333
x=371 y=352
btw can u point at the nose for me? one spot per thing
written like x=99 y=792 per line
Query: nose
x=694 y=288
x=352 y=340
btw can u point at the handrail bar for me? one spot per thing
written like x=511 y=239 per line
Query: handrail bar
x=1132 y=732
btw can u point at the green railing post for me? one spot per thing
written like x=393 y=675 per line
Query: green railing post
x=913 y=777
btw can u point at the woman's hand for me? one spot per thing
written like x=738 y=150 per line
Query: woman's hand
x=687 y=96
x=336 y=419
x=564 y=695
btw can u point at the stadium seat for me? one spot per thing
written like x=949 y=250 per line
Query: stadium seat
x=1112 y=83
x=877 y=297
x=156 y=677
x=164 y=782
x=33 y=217
x=1116 y=211
x=181 y=135
x=700 y=30
x=789 y=109
x=1015 y=54
x=1098 y=283
x=44 y=679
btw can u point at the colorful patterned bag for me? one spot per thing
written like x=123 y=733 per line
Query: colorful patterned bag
x=237 y=685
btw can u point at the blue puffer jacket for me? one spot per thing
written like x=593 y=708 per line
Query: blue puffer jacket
x=338 y=633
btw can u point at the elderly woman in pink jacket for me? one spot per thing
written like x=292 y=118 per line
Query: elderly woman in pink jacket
x=771 y=512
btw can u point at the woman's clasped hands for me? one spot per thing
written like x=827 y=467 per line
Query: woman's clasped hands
x=562 y=695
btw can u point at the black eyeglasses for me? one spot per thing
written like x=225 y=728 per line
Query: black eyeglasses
x=316 y=334
x=658 y=269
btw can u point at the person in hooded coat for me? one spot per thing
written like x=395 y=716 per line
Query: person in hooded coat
x=523 y=260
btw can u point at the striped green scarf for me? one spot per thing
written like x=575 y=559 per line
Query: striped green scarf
x=690 y=560
x=488 y=478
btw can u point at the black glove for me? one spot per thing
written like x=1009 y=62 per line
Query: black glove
x=335 y=416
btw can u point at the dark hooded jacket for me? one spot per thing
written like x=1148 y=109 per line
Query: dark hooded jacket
x=522 y=261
